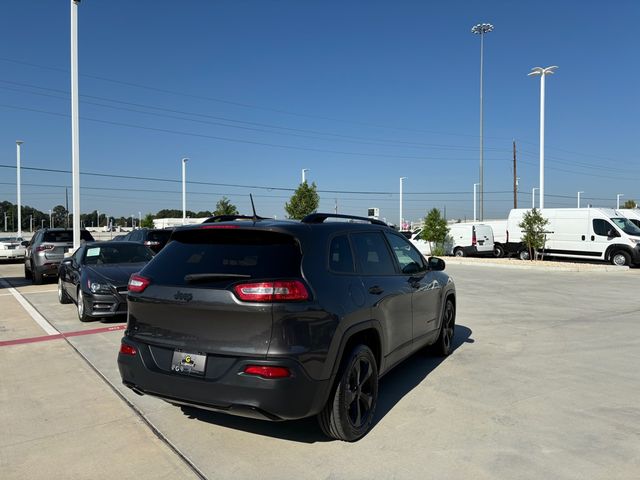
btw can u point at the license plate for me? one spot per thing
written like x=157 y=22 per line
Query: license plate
x=188 y=363
x=11 y=247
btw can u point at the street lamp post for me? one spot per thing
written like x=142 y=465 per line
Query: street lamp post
x=304 y=176
x=618 y=200
x=50 y=219
x=533 y=197
x=542 y=72
x=140 y=218
x=184 y=190
x=400 y=224
x=579 y=199
x=75 y=123
x=481 y=29
x=475 y=210
x=18 y=147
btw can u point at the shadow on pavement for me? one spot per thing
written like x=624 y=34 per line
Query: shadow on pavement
x=393 y=387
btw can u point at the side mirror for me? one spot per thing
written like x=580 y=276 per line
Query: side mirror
x=67 y=261
x=436 y=264
x=25 y=243
x=612 y=233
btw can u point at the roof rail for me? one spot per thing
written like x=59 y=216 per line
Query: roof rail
x=231 y=218
x=321 y=217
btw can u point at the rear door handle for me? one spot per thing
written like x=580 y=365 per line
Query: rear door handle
x=376 y=290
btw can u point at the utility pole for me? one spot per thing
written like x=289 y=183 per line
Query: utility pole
x=66 y=204
x=336 y=207
x=515 y=178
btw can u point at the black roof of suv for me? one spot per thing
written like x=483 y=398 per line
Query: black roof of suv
x=282 y=320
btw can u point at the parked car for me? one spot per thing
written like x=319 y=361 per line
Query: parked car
x=11 y=248
x=95 y=277
x=282 y=320
x=153 y=238
x=469 y=239
x=587 y=233
x=46 y=250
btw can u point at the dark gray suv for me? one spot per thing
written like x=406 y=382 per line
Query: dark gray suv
x=46 y=250
x=282 y=320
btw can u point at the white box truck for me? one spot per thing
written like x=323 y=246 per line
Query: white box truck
x=586 y=233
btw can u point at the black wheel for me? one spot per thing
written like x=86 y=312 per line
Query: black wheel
x=621 y=258
x=442 y=347
x=458 y=252
x=498 y=251
x=27 y=272
x=82 y=314
x=36 y=276
x=351 y=407
x=62 y=294
x=524 y=255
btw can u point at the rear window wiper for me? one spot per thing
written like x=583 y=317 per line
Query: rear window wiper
x=203 y=277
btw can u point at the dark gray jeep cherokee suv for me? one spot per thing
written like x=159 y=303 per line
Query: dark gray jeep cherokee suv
x=282 y=320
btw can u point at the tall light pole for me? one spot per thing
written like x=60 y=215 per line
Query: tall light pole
x=304 y=176
x=18 y=147
x=140 y=218
x=98 y=218
x=400 y=224
x=50 y=219
x=184 y=190
x=481 y=29
x=579 y=199
x=475 y=210
x=533 y=197
x=618 y=200
x=542 y=72
x=75 y=123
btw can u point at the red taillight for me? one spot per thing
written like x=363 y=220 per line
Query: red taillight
x=279 y=291
x=266 y=371
x=474 y=241
x=44 y=246
x=137 y=283
x=127 y=350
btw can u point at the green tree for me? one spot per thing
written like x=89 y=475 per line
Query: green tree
x=225 y=207
x=630 y=204
x=533 y=231
x=147 y=221
x=59 y=216
x=435 y=231
x=304 y=201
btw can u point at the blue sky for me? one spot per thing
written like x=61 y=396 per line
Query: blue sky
x=359 y=92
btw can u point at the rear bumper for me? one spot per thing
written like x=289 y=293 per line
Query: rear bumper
x=224 y=387
x=11 y=254
x=49 y=268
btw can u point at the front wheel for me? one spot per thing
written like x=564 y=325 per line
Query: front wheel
x=443 y=345
x=458 y=252
x=82 y=313
x=62 y=294
x=621 y=258
x=350 y=409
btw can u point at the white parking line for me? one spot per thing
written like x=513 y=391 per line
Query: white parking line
x=39 y=319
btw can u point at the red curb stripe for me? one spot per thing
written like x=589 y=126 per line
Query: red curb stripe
x=77 y=333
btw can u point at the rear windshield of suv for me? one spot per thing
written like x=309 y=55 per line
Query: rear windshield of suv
x=233 y=254
x=65 y=236
x=161 y=236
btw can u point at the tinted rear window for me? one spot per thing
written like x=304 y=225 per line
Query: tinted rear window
x=161 y=236
x=258 y=254
x=65 y=236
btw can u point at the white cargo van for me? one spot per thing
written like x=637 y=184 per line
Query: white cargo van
x=468 y=239
x=423 y=246
x=633 y=214
x=588 y=233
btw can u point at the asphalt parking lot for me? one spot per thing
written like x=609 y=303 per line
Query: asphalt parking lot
x=543 y=383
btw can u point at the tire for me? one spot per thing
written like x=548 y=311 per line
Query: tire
x=350 y=409
x=63 y=297
x=27 y=272
x=498 y=251
x=443 y=346
x=458 y=252
x=524 y=255
x=621 y=258
x=81 y=307
x=36 y=277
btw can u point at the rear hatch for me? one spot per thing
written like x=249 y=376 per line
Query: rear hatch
x=192 y=300
x=484 y=238
x=55 y=243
